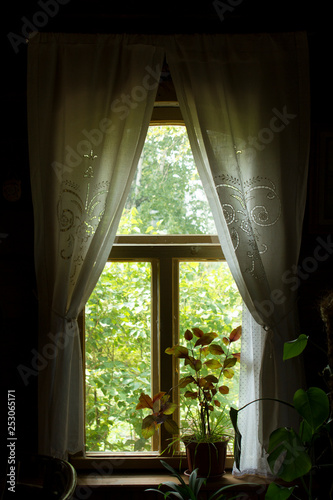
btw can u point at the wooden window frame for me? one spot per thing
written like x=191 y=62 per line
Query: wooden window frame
x=164 y=252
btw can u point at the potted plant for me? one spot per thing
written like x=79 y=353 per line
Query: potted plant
x=208 y=359
x=293 y=454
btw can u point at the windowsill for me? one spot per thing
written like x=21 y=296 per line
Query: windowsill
x=152 y=479
x=98 y=472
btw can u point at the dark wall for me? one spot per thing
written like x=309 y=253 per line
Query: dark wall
x=18 y=302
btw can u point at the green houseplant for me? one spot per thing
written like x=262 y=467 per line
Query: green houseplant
x=190 y=491
x=298 y=456
x=208 y=359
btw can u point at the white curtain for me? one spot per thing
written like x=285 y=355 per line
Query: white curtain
x=90 y=99
x=245 y=102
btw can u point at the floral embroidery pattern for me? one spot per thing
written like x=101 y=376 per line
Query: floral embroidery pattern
x=248 y=210
x=78 y=216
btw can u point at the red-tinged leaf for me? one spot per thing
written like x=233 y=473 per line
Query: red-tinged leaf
x=171 y=427
x=235 y=334
x=158 y=396
x=205 y=350
x=229 y=362
x=210 y=407
x=188 y=335
x=145 y=401
x=190 y=394
x=202 y=382
x=211 y=378
x=169 y=408
x=213 y=364
x=149 y=426
x=224 y=389
x=178 y=351
x=194 y=363
x=216 y=349
x=237 y=356
x=206 y=339
x=183 y=382
x=226 y=341
x=228 y=372
x=197 y=332
x=217 y=403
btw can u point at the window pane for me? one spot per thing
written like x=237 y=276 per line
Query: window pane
x=209 y=299
x=167 y=196
x=118 y=361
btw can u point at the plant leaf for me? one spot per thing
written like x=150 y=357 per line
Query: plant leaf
x=145 y=401
x=228 y=372
x=196 y=364
x=190 y=394
x=158 y=396
x=188 y=335
x=224 y=389
x=169 y=409
x=229 y=362
x=213 y=363
x=171 y=426
x=183 y=382
x=206 y=339
x=178 y=351
x=277 y=492
x=238 y=437
x=235 y=334
x=197 y=332
x=313 y=405
x=286 y=444
x=149 y=426
x=294 y=347
x=216 y=349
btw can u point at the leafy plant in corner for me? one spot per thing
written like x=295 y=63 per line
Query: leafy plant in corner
x=292 y=453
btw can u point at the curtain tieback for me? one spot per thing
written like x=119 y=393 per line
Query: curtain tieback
x=62 y=316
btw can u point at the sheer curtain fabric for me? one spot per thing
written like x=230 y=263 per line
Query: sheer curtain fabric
x=90 y=100
x=245 y=103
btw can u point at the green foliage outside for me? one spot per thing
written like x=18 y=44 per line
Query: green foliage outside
x=118 y=313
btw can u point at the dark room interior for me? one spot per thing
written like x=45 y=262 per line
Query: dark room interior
x=18 y=291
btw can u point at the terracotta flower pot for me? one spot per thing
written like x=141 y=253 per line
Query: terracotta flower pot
x=209 y=458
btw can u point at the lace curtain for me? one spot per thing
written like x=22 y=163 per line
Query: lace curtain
x=245 y=103
x=90 y=100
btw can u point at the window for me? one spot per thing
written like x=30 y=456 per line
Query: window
x=166 y=273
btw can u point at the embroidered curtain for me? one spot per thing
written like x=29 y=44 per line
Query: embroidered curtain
x=245 y=102
x=90 y=99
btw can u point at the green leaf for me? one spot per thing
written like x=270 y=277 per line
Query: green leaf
x=238 y=437
x=148 y=426
x=171 y=426
x=313 y=405
x=276 y=492
x=229 y=362
x=178 y=351
x=285 y=444
x=216 y=349
x=169 y=408
x=294 y=347
x=213 y=363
